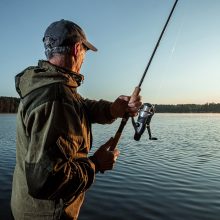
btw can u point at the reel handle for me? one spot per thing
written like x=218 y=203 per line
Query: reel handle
x=124 y=120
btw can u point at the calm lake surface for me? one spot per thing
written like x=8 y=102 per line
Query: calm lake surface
x=176 y=177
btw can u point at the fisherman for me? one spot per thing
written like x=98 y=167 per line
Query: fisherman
x=54 y=136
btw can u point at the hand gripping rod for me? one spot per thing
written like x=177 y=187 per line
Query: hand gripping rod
x=138 y=88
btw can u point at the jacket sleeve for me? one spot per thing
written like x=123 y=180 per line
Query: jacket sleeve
x=53 y=166
x=99 y=111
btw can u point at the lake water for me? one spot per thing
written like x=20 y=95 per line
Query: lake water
x=176 y=177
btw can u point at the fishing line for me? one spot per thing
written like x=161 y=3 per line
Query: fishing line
x=170 y=58
x=177 y=36
x=138 y=88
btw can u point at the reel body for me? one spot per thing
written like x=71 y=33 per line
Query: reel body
x=146 y=112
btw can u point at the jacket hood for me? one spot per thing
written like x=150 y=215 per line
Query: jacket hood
x=44 y=74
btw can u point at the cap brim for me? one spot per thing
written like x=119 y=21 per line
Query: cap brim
x=90 y=46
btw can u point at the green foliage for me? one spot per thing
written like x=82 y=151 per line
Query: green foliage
x=189 y=108
x=8 y=104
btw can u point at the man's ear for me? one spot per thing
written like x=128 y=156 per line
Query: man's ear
x=76 y=49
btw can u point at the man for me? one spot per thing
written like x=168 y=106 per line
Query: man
x=54 y=137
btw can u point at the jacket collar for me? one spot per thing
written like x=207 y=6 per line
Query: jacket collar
x=44 y=74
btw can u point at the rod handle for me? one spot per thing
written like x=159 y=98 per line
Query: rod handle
x=115 y=141
x=135 y=93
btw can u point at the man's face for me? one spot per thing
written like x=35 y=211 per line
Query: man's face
x=80 y=56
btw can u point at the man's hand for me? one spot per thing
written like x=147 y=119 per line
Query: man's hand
x=123 y=105
x=103 y=158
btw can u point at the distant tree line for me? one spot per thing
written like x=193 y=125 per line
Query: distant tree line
x=189 y=108
x=10 y=105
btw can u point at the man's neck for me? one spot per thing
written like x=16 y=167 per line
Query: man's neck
x=62 y=61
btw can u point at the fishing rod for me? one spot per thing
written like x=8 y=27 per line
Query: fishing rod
x=138 y=88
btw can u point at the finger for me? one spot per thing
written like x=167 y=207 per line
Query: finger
x=135 y=99
x=135 y=104
x=133 y=114
x=115 y=158
x=133 y=110
x=108 y=166
x=107 y=144
x=116 y=152
x=124 y=98
x=110 y=158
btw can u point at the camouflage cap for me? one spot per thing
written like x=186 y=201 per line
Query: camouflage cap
x=60 y=35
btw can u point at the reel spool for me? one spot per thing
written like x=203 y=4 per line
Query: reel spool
x=146 y=112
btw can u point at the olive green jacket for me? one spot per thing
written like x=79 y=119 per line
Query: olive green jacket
x=54 y=137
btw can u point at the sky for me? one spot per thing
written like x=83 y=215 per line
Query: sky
x=185 y=68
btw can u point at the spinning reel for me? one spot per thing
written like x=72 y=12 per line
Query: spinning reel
x=146 y=112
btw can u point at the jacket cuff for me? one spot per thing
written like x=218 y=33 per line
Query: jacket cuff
x=95 y=162
x=110 y=116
